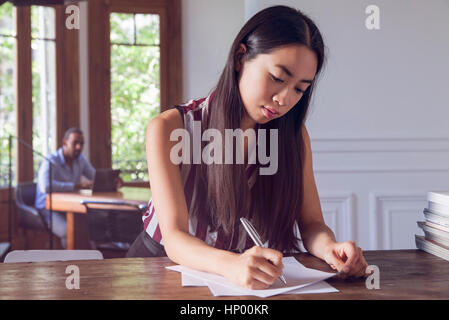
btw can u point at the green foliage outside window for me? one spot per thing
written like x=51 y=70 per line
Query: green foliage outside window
x=7 y=93
x=135 y=89
x=43 y=70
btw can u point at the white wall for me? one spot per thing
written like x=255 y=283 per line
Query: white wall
x=209 y=27
x=379 y=118
x=392 y=81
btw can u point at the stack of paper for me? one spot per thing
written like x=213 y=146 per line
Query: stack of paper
x=299 y=280
x=436 y=226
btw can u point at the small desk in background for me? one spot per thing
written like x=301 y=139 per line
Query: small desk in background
x=70 y=202
x=404 y=274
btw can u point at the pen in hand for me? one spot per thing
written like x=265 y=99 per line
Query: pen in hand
x=256 y=238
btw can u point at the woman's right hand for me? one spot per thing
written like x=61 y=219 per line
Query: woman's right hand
x=256 y=268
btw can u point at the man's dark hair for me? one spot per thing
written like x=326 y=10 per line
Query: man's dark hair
x=72 y=130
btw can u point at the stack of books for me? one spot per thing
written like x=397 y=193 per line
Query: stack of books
x=436 y=226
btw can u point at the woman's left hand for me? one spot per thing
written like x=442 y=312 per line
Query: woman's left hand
x=347 y=258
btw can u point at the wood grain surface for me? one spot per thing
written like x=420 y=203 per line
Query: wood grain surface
x=404 y=274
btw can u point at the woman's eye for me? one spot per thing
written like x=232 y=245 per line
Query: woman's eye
x=276 y=79
x=299 y=91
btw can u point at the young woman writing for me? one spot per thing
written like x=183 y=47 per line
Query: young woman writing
x=195 y=210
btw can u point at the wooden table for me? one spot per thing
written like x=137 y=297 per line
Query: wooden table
x=70 y=202
x=404 y=274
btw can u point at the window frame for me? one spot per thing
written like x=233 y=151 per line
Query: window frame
x=67 y=97
x=169 y=11
x=67 y=76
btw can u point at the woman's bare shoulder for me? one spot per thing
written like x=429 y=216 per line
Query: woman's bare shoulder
x=165 y=122
x=170 y=118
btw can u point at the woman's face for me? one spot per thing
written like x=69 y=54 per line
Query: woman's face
x=271 y=84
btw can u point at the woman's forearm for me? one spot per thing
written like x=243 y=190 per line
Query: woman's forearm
x=316 y=238
x=192 y=252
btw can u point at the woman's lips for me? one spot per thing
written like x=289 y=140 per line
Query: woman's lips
x=269 y=113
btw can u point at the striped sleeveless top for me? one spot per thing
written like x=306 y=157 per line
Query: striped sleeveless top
x=196 y=110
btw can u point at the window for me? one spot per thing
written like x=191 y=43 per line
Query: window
x=38 y=84
x=135 y=89
x=43 y=64
x=135 y=72
x=8 y=41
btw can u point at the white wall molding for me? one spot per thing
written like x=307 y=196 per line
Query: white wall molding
x=339 y=211
x=371 y=155
x=385 y=144
x=379 y=169
x=383 y=206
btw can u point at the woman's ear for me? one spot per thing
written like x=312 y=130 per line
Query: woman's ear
x=239 y=53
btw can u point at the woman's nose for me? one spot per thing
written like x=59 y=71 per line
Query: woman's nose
x=282 y=98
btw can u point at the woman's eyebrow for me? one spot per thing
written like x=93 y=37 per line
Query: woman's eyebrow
x=285 y=69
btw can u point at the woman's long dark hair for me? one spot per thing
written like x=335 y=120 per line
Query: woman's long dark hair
x=276 y=200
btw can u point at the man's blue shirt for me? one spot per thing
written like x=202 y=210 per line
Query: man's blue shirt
x=64 y=177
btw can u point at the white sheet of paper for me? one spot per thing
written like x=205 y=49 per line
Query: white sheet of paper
x=189 y=281
x=296 y=274
x=217 y=290
x=319 y=287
